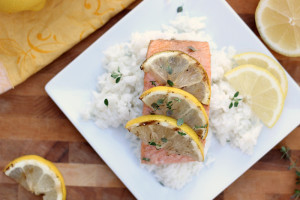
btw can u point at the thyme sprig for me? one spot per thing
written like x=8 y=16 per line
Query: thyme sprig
x=117 y=75
x=293 y=165
x=235 y=100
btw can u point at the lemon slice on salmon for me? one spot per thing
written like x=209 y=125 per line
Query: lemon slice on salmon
x=38 y=176
x=266 y=62
x=164 y=132
x=177 y=69
x=261 y=89
x=177 y=104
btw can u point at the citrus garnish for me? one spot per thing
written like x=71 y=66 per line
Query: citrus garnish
x=177 y=69
x=177 y=104
x=38 y=176
x=261 y=89
x=278 y=23
x=165 y=132
x=266 y=62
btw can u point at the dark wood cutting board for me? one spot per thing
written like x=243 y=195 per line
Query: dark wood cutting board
x=30 y=123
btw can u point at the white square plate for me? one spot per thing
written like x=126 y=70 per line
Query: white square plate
x=72 y=89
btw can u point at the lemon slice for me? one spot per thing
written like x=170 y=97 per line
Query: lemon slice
x=163 y=132
x=278 y=23
x=182 y=70
x=38 y=176
x=262 y=90
x=177 y=104
x=266 y=62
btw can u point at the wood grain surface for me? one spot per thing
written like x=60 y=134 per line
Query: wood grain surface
x=30 y=123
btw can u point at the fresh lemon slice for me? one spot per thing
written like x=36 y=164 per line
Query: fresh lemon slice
x=266 y=62
x=262 y=90
x=278 y=23
x=177 y=104
x=38 y=176
x=180 y=69
x=21 y=5
x=163 y=132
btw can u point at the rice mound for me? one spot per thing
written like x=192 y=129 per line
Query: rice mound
x=124 y=103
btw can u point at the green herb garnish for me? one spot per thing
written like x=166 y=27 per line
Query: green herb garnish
x=296 y=195
x=155 y=106
x=146 y=159
x=169 y=70
x=192 y=48
x=177 y=99
x=106 y=102
x=293 y=165
x=164 y=140
x=152 y=143
x=117 y=75
x=153 y=83
x=181 y=133
x=170 y=83
x=197 y=127
x=235 y=100
x=169 y=105
x=179 y=9
x=179 y=121
x=160 y=101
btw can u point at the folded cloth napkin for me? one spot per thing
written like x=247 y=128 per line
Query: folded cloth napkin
x=30 y=40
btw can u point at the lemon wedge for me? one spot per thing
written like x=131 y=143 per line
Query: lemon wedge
x=278 y=23
x=164 y=132
x=177 y=104
x=38 y=176
x=262 y=91
x=180 y=69
x=266 y=62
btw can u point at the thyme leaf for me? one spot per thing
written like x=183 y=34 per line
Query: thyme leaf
x=146 y=159
x=169 y=70
x=164 y=140
x=179 y=121
x=170 y=83
x=106 y=102
x=181 y=133
x=153 y=83
x=179 y=9
x=192 y=48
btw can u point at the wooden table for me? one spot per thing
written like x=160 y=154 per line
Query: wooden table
x=30 y=123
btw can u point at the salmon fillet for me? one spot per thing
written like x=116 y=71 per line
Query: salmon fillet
x=150 y=154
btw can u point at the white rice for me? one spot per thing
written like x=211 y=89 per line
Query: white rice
x=124 y=103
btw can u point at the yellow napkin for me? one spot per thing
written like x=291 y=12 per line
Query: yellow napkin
x=30 y=40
